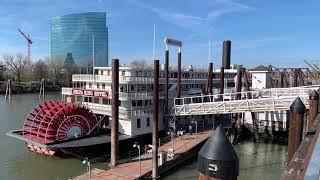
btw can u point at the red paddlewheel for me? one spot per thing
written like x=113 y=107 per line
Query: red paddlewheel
x=54 y=121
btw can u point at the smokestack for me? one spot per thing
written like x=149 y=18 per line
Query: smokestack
x=226 y=54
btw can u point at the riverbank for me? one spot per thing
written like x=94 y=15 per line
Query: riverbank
x=24 y=88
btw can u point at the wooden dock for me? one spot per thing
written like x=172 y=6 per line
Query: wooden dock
x=184 y=147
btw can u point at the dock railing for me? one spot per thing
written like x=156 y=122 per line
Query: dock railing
x=254 y=101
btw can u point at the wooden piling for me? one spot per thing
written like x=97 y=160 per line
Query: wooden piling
x=222 y=80
x=179 y=74
x=238 y=83
x=115 y=114
x=155 y=113
x=253 y=115
x=8 y=90
x=282 y=79
x=295 y=77
x=209 y=79
x=297 y=111
x=166 y=90
x=313 y=108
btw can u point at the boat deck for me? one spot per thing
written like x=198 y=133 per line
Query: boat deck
x=81 y=142
x=130 y=170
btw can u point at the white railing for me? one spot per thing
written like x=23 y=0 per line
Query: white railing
x=105 y=78
x=256 y=101
x=146 y=95
x=133 y=79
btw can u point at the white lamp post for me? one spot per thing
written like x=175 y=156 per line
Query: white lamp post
x=87 y=162
x=196 y=123
x=136 y=145
x=171 y=132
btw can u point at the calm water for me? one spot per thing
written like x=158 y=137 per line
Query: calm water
x=265 y=160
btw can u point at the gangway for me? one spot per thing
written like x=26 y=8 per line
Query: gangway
x=272 y=99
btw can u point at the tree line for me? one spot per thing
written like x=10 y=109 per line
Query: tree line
x=19 y=69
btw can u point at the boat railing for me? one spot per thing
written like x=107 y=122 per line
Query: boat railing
x=134 y=79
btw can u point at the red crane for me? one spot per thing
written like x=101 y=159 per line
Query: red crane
x=29 y=41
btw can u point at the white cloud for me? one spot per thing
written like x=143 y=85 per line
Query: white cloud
x=195 y=23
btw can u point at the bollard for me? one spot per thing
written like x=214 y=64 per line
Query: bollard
x=217 y=158
x=313 y=108
x=297 y=110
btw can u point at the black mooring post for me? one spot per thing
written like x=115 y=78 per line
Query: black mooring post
x=115 y=114
x=297 y=110
x=155 y=106
x=217 y=158
x=313 y=108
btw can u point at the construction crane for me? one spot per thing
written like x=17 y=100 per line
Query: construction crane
x=29 y=41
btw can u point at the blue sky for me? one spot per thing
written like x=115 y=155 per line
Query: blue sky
x=282 y=33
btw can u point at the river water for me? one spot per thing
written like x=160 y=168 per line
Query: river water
x=265 y=160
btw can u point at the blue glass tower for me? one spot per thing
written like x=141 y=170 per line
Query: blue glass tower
x=83 y=35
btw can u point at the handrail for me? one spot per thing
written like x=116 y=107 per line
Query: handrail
x=273 y=92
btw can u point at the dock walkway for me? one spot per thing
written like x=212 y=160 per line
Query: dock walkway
x=130 y=170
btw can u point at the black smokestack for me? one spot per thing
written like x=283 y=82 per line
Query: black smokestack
x=226 y=54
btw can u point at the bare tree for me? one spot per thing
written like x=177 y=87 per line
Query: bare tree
x=40 y=70
x=55 y=66
x=139 y=64
x=15 y=65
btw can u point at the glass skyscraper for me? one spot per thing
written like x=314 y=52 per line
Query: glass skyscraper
x=83 y=35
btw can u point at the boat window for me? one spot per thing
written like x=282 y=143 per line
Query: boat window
x=123 y=73
x=138 y=123
x=96 y=100
x=90 y=85
x=98 y=86
x=103 y=86
x=148 y=121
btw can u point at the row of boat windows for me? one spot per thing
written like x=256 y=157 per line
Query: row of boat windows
x=96 y=100
x=100 y=100
x=137 y=87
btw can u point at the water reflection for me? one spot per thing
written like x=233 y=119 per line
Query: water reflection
x=258 y=161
